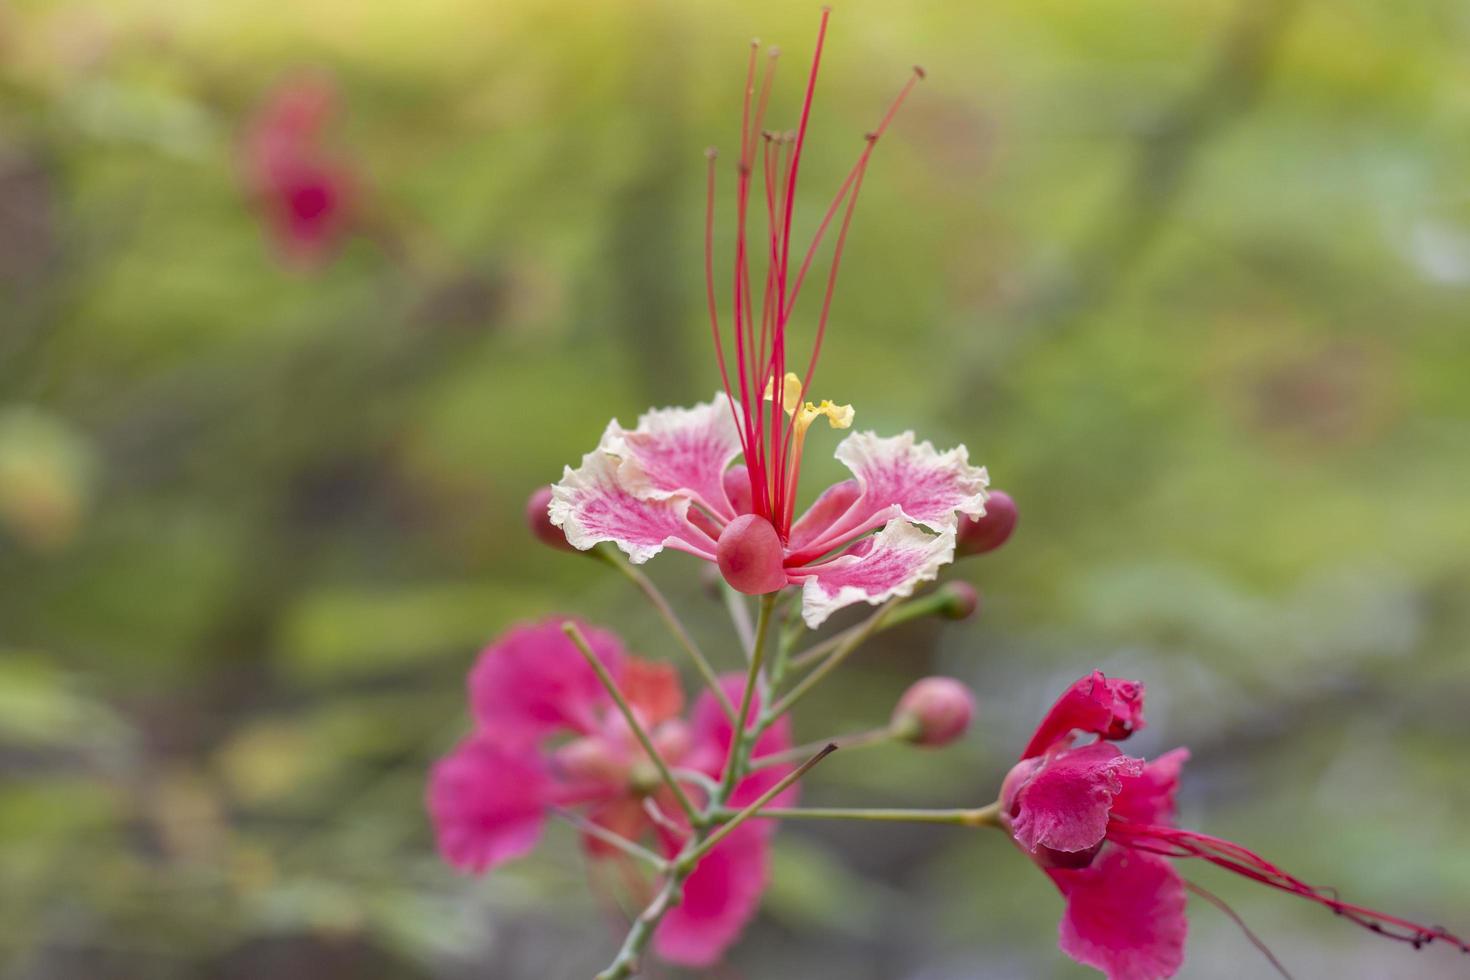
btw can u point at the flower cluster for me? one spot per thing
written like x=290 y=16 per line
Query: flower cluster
x=549 y=738
x=569 y=725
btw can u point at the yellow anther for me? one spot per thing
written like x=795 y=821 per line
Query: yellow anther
x=790 y=392
x=803 y=415
x=838 y=416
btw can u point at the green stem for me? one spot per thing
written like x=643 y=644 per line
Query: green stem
x=691 y=859
x=985 y=816
x=939 y=602
x=690 y=811
x=858 y=740
x=612 y=839
x=852 y=640
x=671 y=620
x=740 y=617
x=740 y=737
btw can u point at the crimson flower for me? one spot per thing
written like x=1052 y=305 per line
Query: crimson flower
x=1101 y=824
x=306 y=194
x=547 y=735
x=670 y=482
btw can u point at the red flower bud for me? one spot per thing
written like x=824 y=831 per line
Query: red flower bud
x=934 y=711
x=977 y=536
x=540 y=522
x=750 y=554
x=961 y=600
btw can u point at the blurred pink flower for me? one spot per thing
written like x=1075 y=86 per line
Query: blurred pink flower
x=1101 y=824
x=306 y=194
x=548 y=735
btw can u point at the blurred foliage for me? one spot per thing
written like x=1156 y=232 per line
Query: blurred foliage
x=1190 y=278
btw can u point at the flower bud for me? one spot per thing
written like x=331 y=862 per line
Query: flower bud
x=960 y=600
x=540 y=521
x=977 y=536
x=749 y=554
x=934 y=711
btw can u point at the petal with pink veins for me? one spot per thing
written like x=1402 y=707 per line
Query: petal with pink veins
x=533 y=682
x=680 y=452
x=1148 y=798
x=823 y=514
x=487 y=803
x=891 y=563
x=1125 y=915
x=1064 y=805
x=592 y=504
x=901 y=478
x=720 y=897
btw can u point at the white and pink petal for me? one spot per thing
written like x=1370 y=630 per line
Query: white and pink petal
x=902 y=478
x=890 y=563
x=592 y=504
x=680 y=452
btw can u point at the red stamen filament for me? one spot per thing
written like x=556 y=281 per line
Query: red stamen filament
x=773 y=463
x=1175 y=843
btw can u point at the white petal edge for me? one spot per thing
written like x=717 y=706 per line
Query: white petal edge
x=935 y=550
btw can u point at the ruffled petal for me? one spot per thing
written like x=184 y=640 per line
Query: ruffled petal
x=592 y=504
x=720 y=897
x=1125 y=915
x=890 y=563
x=487 y=803
x=1064 y=804
x=1148 y=798
x=1112 y=709
x=904 y=479
x=533 y=682
x=680 y=452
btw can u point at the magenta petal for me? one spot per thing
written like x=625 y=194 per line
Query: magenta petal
x=720 y=897
x=901 y=478
x=593 y=503
x=1112 y=709
x=681 y=451
x=533 y=682
x=1065 y=803
x=1125 y=915
x=890 y=563
x=487 y=803
x=1148 y=798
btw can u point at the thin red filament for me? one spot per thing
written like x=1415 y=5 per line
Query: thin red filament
x=760 y=336
x=1175 y=843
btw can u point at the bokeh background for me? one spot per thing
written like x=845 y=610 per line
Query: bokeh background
x=1191 y=278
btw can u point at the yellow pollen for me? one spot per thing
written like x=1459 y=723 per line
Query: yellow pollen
x=803 y=415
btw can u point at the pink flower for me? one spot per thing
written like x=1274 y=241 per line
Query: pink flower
x=1101 y=824
x=672 y=482
x=548 y=735
x=307 y=196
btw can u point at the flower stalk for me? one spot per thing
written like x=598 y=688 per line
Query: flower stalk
x=639 y=732
x=672 y=621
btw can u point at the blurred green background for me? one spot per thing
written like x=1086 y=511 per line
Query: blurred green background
x=1190 y=278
